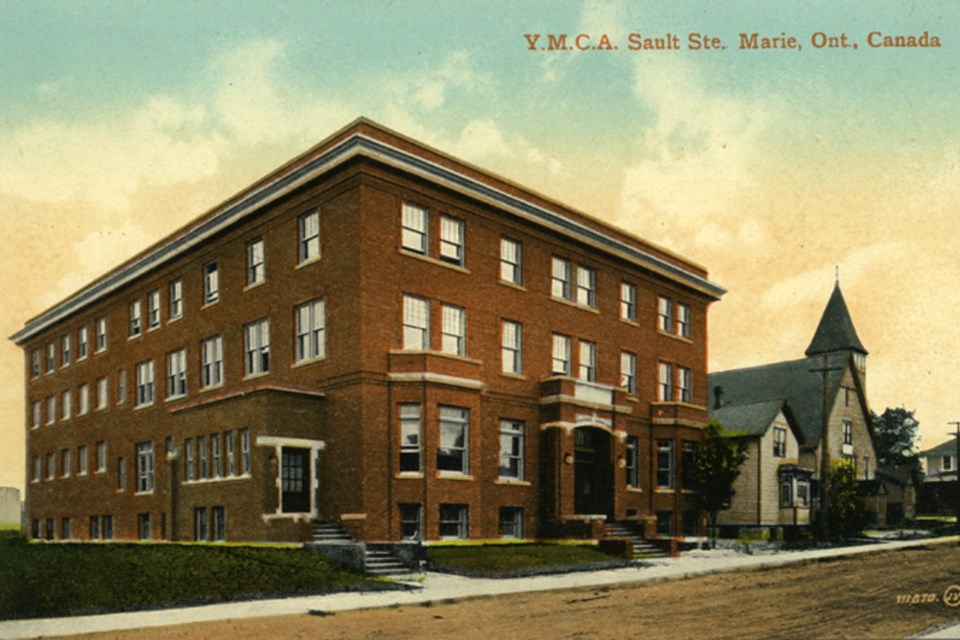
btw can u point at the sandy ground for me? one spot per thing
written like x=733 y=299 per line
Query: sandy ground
x=846 y=598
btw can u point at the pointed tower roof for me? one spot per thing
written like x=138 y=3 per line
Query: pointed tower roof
x=835 y=331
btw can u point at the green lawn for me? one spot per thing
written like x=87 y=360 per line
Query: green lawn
x=506 y=558
x=40 y=580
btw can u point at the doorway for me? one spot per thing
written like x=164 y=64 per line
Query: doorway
x=593 y=472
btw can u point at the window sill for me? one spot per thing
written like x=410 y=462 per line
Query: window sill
x=306 y=263
x=170 y=399
x=213 y=387
x=634 y=490
x=243 y=476
x=174 y=319
x=453 y=475
x=575 y=305
x=664 y=490
x=632 y=323
x=82 y=359
x=434 y=261
x=512 y=285
x=440 y=354
x=308 y=362
x=510 y=482
x=144 y=493
x=135 y=336
x=513 y=376
x=255 y=376
x=145 y=405
x=209 y=303
x=674 y=336
x=153 y=328
x=409 y=475
x=254 y=285
x=100 y=351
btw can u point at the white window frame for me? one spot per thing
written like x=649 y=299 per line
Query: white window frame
x=308 y=237
x=66 y=404
x=416 y=323
x=453 y=330
x=455 y=518
x=311 y=331
x=511 y=347
x=779 y=442
x=103 y=393
x=211 y=365
x=189 y=462
x=36 y=414
x=175 y=300
x=684 y=327
x=452 y=242
x=256 y=262
x=587 y=362
x=83 y=399
x=66 y=463
x=51 y=357
x=146 y=384
x=35 y=363
x=100 y=327
x=512 y=450
x=666 y=464
x=177 y=374
x=628 y=301
x=453 y=452
x=66 y=356
x=511 y=528
x=561 y=355
x=83 y=343
x=216 y=457
x=121 y=386
x=51 y=465
x=632 y=466
x=411 y=438
x=685 y=384
x=245 y=461
x=415 y=222
x=665 y=389
x=946 y=462
x=153 y=310
x=560 y=274
x=230 y=448
x=136 y=318
x=848 y=432
x=51 y=409
x=586 y=287
x=665 y=314
x=83 y=460
x=511 y=261
x=257 y=347
x=101 y=457
x=211 y=282
x=146 y=478
x=628 y=372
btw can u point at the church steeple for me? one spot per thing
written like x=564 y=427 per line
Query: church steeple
x=836 y=332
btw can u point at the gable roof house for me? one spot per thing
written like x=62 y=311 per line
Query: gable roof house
x=832 y=378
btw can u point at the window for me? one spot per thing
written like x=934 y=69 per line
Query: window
x=454 y=331
x=35 y=469
x=691 y=524
x=511 y=450
x=665 y=464
x=947 y=463
x=121 y=474
x=145 y=467
x=143 y=526
x=561 y=355
x=211 y=282
x=211 y=370
x=511 y=347
x=83 y=343
x=633 y=462
x=201 y=530
x=311 y=331
x=101 y=457
x=847 y=432
x=586 y=287
x=65 y=356
x=256 y=262
x=101 y=329
x=779 y=442
x=414 y=234
x=588 y=361
x=66 y=464
x=410 y=522
x=860 y=361
x=511 y=261
x=146 y=392
x=410 y=430
x=51 y=409
x=454 y=521
x=511 y=522
x=688 y=479
x=803 y=491
x=245 y=451
x=416 y=323
x=121 y=386
x=36 y=410
x=665 y=315
x=94 y=527
x=683 y=321
x=229 y=445
x=189 y=464
x=136 y=318
x=217 y=467
x=309 y=236
x=628 y=301
x=175 y=296
x=560 y=279
x=35 y=363
x=51 y=357
x=218 y=515
x=153 y=309
x=83 y=394
x=83 y=460
x=177 y=374
x=628 y=372
x=686 y=385
x=202 y=456
x=665 y=523
x=102 y=393
x=454 y=451
x=257 y=347
x=451 y=240
x=67 y=404
x=786 y=492
x=665 y=386
x=51 y=466
x=51 y=533
x=65 y=529
x=106 y=523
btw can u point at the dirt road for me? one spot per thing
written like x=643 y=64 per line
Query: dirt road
x=848 y=598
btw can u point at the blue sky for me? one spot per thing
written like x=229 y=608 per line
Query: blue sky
x=123 y=120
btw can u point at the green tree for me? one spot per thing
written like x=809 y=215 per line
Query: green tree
x=894 y=437
x=718 y=456
x=848 y=512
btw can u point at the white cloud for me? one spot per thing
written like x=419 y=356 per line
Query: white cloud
x=484 y=139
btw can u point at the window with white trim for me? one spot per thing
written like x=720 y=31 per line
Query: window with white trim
x=684 y=328
x=211 y=363
x=201 y=528
x=511 y=261
x=229 y=447
x=103 y=393
x=83 y=400
x=218 y=523
x=217 y=459
x=35 y=363
x=51 y=466
x=665 y=464
x=189 y=464
x=211 y=282
x=83 y=343
x=416 y=323
x=136 y=318
x=51 y=357
x=66 y=463
x=511 y=347
x=560 y=279
x=847 y=432
x=454 y=521
x=146 y=389
x=512 y=439
x=453 y=454
x=153 y=309
x=65 y=354
x=779 y=442
x=51 y=409
x=121 y=386
x=36 y=410
x=411 y=427
x=628 y=301
x=633 y=462
x=309 y=236
x=256 y=262
x=451 y=240
x=686 y=384
x=628 y=372
x=587 y=287
x=311 y=331
x=665 y=314
x=66 y=404
x=121 y=474
x=561 y=355
x=177 y=374
x=410 y=522
x=35 y=467
x=454 y=330
x=665 y=383
x=83 y=460
x=245 y=451
x=257 y=337
x=202 y=457
x=588 y=361
x=101 y=456
x=145 y=467
x=175 y=299
x=100 y=327
x=946 y=463
x=414 y=234
x=511 y=522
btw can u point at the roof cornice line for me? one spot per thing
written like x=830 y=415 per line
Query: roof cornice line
x=353 y=145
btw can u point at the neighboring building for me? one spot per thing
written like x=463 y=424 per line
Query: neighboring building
x=900 y=488
x=799 y=385
x=9 y=506
x=938 y=491
x=380 y=336
x=772 y=488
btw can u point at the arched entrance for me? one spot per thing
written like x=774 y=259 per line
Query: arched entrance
x=593 y=472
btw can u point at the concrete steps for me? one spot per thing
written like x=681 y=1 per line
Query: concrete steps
x=382 y=562
x=641 y=548
x=377 y=560
x=327 y=533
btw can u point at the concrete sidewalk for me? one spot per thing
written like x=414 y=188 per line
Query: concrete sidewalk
x=435 y=587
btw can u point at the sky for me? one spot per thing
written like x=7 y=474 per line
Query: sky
x=775 y=168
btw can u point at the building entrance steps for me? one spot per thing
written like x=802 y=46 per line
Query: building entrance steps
x=377 y=559
x=641 y=547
